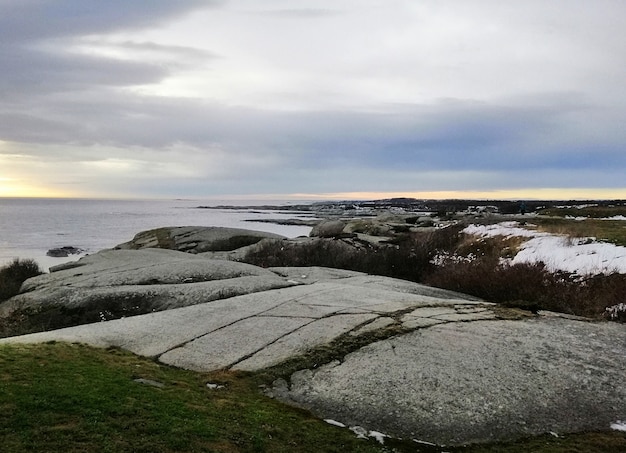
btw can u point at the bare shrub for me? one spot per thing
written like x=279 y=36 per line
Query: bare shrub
x=532 y=286
x=408 y=257
x=14 y=274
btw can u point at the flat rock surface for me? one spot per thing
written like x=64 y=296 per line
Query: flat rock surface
x=261 y=329
x=479 y=381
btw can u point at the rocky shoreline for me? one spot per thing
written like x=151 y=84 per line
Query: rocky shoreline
x=387 y=355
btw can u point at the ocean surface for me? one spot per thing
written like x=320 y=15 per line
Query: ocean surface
x=31 y=227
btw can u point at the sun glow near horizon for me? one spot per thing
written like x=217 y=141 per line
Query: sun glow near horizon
x=501 y=194
x=12 y=188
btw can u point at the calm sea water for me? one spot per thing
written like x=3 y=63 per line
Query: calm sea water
x=31 y=227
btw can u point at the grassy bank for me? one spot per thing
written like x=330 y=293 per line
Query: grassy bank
x=72 y=398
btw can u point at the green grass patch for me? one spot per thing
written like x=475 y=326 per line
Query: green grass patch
x=72 y=398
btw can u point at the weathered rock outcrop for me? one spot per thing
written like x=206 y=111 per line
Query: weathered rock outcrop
x=196 y=239
x=117 y=283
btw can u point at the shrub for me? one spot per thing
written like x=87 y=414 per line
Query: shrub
x=532 y=286
x=14 y=274
x=408 y=257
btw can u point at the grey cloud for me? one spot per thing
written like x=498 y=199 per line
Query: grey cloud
x=32 y=20
x=447 y=137
x=29 y=71
x=300 y=13
x=190 y=53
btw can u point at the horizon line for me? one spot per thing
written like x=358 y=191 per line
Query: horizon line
x=540 y=194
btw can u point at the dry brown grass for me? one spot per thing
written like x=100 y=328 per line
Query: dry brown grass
x=613 y=231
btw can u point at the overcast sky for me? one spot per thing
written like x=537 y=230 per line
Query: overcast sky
x=352 y=98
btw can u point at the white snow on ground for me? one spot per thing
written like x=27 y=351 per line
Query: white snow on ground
x=615 y=217
x=330 y=421
x=506 y=229
x=583 y=256
x=619 y=426
x=359 y=431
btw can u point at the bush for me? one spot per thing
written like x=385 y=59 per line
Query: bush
x=14 y=274
x=408 y=257
x=532 y=286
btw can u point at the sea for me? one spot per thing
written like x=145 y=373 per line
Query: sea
x=29 y=227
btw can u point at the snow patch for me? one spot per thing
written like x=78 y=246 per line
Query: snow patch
x=582 y=256
x=380 y=437
x=334 y=422
x=615 y=217
x=359 y=431
x=619 y=426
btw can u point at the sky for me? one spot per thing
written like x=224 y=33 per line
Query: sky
x=313 y=99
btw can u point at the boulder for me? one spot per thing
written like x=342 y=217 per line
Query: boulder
x=64 y=252
x=328 y=229
x=196 y=239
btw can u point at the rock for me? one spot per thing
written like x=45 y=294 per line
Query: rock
x=116 y=283
x=370 y=227
x=483 y=381
x=382 y=354
x=196 y=239
x=257 y=330
x=64 y=252
x=328 y=229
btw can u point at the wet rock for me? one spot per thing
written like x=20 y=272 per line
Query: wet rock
x=64 y=252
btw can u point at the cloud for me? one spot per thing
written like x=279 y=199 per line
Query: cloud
x=235 y=97
x=35 y=20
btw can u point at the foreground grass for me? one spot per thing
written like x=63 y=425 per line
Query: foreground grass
x=72 y=398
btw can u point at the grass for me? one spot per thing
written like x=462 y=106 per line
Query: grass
x=613 y=231
x=73 y=398
x=595 y=211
